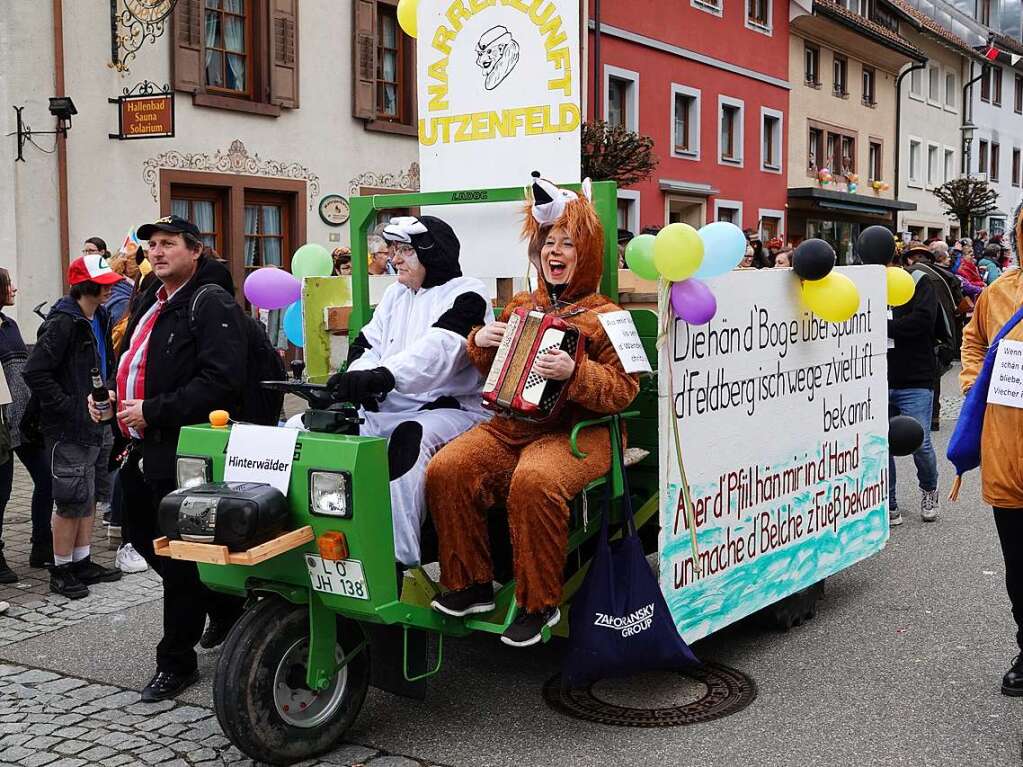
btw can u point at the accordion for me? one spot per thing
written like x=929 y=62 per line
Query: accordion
x=513 y=387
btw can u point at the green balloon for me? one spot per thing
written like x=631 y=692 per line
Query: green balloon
x=311 y=260
x=639 y=256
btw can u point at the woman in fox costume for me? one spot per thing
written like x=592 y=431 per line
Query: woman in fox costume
x=530 y=465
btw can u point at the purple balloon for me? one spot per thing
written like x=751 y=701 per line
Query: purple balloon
x=693 y=301
x=272 y=288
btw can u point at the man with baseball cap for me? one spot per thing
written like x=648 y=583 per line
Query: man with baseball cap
x=184 y=355
x=73 y=341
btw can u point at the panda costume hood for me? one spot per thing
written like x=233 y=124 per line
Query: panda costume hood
x=435 y=243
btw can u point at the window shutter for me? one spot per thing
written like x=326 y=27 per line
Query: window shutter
x=284 y=53
x=187 y=49
x=364 y=59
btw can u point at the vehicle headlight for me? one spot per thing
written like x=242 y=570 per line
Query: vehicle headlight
x=330 y=493
x=193 y=471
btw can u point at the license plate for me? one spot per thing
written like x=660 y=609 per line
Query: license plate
x=343 y=577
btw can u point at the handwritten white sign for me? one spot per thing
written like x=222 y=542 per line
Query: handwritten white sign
x=1007 y=375
x=621 y=332
x=260 y=454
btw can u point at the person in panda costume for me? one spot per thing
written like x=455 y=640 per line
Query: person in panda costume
x=408 y=369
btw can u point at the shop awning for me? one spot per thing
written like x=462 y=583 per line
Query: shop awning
x=687 y=187
x=856 y=203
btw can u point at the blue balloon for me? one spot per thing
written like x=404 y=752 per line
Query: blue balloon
x=724 y=245
x=293 y=324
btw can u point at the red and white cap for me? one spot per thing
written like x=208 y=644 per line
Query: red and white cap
x=92 y=267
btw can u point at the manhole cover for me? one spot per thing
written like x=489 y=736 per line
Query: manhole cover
x=726 y=692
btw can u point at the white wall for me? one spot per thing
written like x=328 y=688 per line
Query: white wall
x=107 y=193
x=932 y=123
x=1004 y=126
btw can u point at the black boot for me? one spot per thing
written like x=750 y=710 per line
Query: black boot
x=1012 y=682
x=63 y=581
x=41 y=554
x=88 y=572
x=6 y=574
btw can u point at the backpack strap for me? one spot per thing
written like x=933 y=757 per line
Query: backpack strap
x=199 y=293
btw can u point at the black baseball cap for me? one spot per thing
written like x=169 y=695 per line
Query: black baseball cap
x=173 y=224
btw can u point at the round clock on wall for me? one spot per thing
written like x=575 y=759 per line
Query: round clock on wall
x=334 y=210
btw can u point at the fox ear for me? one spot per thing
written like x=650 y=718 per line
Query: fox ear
x=588 y=189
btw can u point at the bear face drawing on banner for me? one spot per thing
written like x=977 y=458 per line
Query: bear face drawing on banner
x=497 y=53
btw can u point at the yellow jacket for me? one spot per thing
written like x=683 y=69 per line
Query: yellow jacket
x=1002 y=440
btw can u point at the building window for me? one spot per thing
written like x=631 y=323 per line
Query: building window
x=770 y=138
x=621 y=99
x=982 y=156
x=812 y=64
x=874 y=161
x=710 y=6
x=1015 y=167
x=730 y=141
x=916 y=83
x=686 y=121
x=846 y=161
x=236 y=54
x=391 y=85
x=628 y=210
x=841 y=79
x=204 y=209
x=950 y=89
x=914 y=161
x=758 y=14
x=266 y=232
x=1017 y=99
x=384 y=72
x=984 y=12
x=950 y=164
x=995 y=161
x=932 y=165
x=985 y=84
x=728 y=210
x=814 y=150
x=771 y=224
x=934 y=85
x=996 y=86
x=227 y=29
x=868 y=86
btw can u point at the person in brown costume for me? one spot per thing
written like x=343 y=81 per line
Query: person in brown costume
x=526 y=464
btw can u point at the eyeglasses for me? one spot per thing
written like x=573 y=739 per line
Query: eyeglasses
x=90 y=251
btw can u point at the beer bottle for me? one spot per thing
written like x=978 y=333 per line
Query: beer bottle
x=101 y=396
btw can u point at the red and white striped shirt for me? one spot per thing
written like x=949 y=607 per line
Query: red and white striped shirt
x=131 y=371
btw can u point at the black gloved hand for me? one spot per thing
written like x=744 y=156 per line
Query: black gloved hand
x=359 y=385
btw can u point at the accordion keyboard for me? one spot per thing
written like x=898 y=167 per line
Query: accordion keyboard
x=533 y=389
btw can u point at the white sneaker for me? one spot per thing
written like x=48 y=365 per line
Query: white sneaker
x=929 y=505
x=4 y=607
x=894 y=518
x=130 y=561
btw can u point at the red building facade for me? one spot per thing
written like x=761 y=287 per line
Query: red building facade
x=708 y=81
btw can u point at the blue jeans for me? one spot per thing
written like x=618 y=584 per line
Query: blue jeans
x=37 y=462
x=917 y=404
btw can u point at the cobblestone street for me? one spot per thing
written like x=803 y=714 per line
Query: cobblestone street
x=63 y=721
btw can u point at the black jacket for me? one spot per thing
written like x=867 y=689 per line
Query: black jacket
x=194 y=364
x=911 y=363
x=59 y=373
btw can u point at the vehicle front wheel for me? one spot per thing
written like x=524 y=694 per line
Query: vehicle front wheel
x=260 y=694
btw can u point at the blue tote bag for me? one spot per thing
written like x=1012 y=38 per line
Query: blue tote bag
x=964 y=447
x=620 y=624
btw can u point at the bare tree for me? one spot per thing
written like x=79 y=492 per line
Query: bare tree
x=967 y=198
x=613 y=153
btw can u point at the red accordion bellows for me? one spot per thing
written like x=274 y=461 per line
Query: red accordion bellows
x=513 y=387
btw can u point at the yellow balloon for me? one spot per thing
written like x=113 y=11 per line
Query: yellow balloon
x=407 y=16
x=834 y=298
x=901 y=286
x=678 y=252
